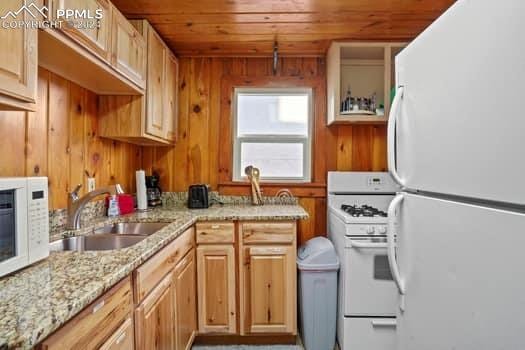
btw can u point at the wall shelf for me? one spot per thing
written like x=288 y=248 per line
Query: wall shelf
x=365 y=68
x=360 y=119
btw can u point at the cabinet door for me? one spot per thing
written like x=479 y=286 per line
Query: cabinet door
x=155 y=117
x=185 y=301
x=268 y=289
x=171 y=100
x=18 y=56
x=93 y=34
x=128 y=50
x=155 y=319
x=216 y=288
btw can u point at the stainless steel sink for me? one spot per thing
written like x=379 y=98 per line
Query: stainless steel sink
x=115 y=236
x=132 y=228
x=103 y=241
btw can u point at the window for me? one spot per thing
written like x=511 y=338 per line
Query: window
x=272 y=131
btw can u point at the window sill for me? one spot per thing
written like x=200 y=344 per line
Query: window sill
x=298 y=189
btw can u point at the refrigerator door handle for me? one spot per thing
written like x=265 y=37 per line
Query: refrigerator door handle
x=391 y=138
x=391 y=244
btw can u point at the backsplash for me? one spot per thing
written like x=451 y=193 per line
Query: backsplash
x=176 y=199
x=96 y=209
x=92 y=210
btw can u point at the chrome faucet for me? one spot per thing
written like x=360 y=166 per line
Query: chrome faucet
x=75 y=204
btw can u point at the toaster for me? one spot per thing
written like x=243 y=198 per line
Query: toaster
x=198 y=196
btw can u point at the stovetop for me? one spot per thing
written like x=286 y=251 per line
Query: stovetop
x=363 y=211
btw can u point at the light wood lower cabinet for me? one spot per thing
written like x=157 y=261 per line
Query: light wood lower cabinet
x=181 y=290
x=184 y=278
x=96 y=323
x=18 y=60
x=216 y=288
x=268 y=278
x=165 y=317
x=266 y=272
x=268 y=289
x=122 y=339
x=155 y=318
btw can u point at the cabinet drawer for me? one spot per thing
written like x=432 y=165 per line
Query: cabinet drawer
x=93 y=325
x=268 y=232
x=122 y=339
x=215 y=232
x=149 y=274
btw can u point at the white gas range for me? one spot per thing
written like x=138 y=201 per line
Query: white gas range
x=357 y=225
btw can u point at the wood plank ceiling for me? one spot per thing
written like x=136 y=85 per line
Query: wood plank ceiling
x=301 y=27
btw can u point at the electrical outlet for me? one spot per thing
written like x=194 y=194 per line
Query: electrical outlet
x=91 y=184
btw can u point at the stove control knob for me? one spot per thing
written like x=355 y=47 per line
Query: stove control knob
x=370 y=230
x=382 y=230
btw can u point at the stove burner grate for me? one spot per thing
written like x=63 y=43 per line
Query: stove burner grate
x=363 y=211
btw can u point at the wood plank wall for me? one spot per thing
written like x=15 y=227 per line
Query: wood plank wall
x=60 y=141
x=195 y=158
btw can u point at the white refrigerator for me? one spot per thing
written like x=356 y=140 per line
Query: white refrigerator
x=456 y=145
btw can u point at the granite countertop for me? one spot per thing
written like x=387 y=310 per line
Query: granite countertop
x=39 y=299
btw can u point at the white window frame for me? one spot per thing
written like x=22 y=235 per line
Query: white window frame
x=238 y=140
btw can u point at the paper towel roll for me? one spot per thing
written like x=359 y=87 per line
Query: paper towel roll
x=142 y=199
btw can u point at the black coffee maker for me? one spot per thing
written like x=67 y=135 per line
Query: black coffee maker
x=153 y=190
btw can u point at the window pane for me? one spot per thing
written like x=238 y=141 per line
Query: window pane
x=272 y=114
x=284 y=160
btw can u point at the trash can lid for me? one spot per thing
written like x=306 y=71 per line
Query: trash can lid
x=317 y=254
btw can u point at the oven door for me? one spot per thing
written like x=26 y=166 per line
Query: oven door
x=369 y=288
x=13 y=225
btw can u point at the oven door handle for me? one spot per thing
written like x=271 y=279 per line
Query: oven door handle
x=366 y=245
x=388 y=322
x=391 y=242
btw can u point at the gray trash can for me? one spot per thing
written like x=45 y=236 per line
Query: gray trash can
x=318 y=264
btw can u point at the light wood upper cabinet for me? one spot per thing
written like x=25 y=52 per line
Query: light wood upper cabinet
x=152 y=119
x=184 y=278
x=18 y=61
x=155 y=118
x=95 y=35
x=216 y=288
x=170 y=98
x=128 y=54
x=155 y=318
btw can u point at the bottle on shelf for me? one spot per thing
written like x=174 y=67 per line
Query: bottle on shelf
x=373 y=102
x=346 y=104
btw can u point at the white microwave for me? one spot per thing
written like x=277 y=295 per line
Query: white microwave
x=24 y=222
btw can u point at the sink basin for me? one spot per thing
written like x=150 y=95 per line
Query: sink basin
x=109 y=237
x=132 y=228
x=101 y=241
